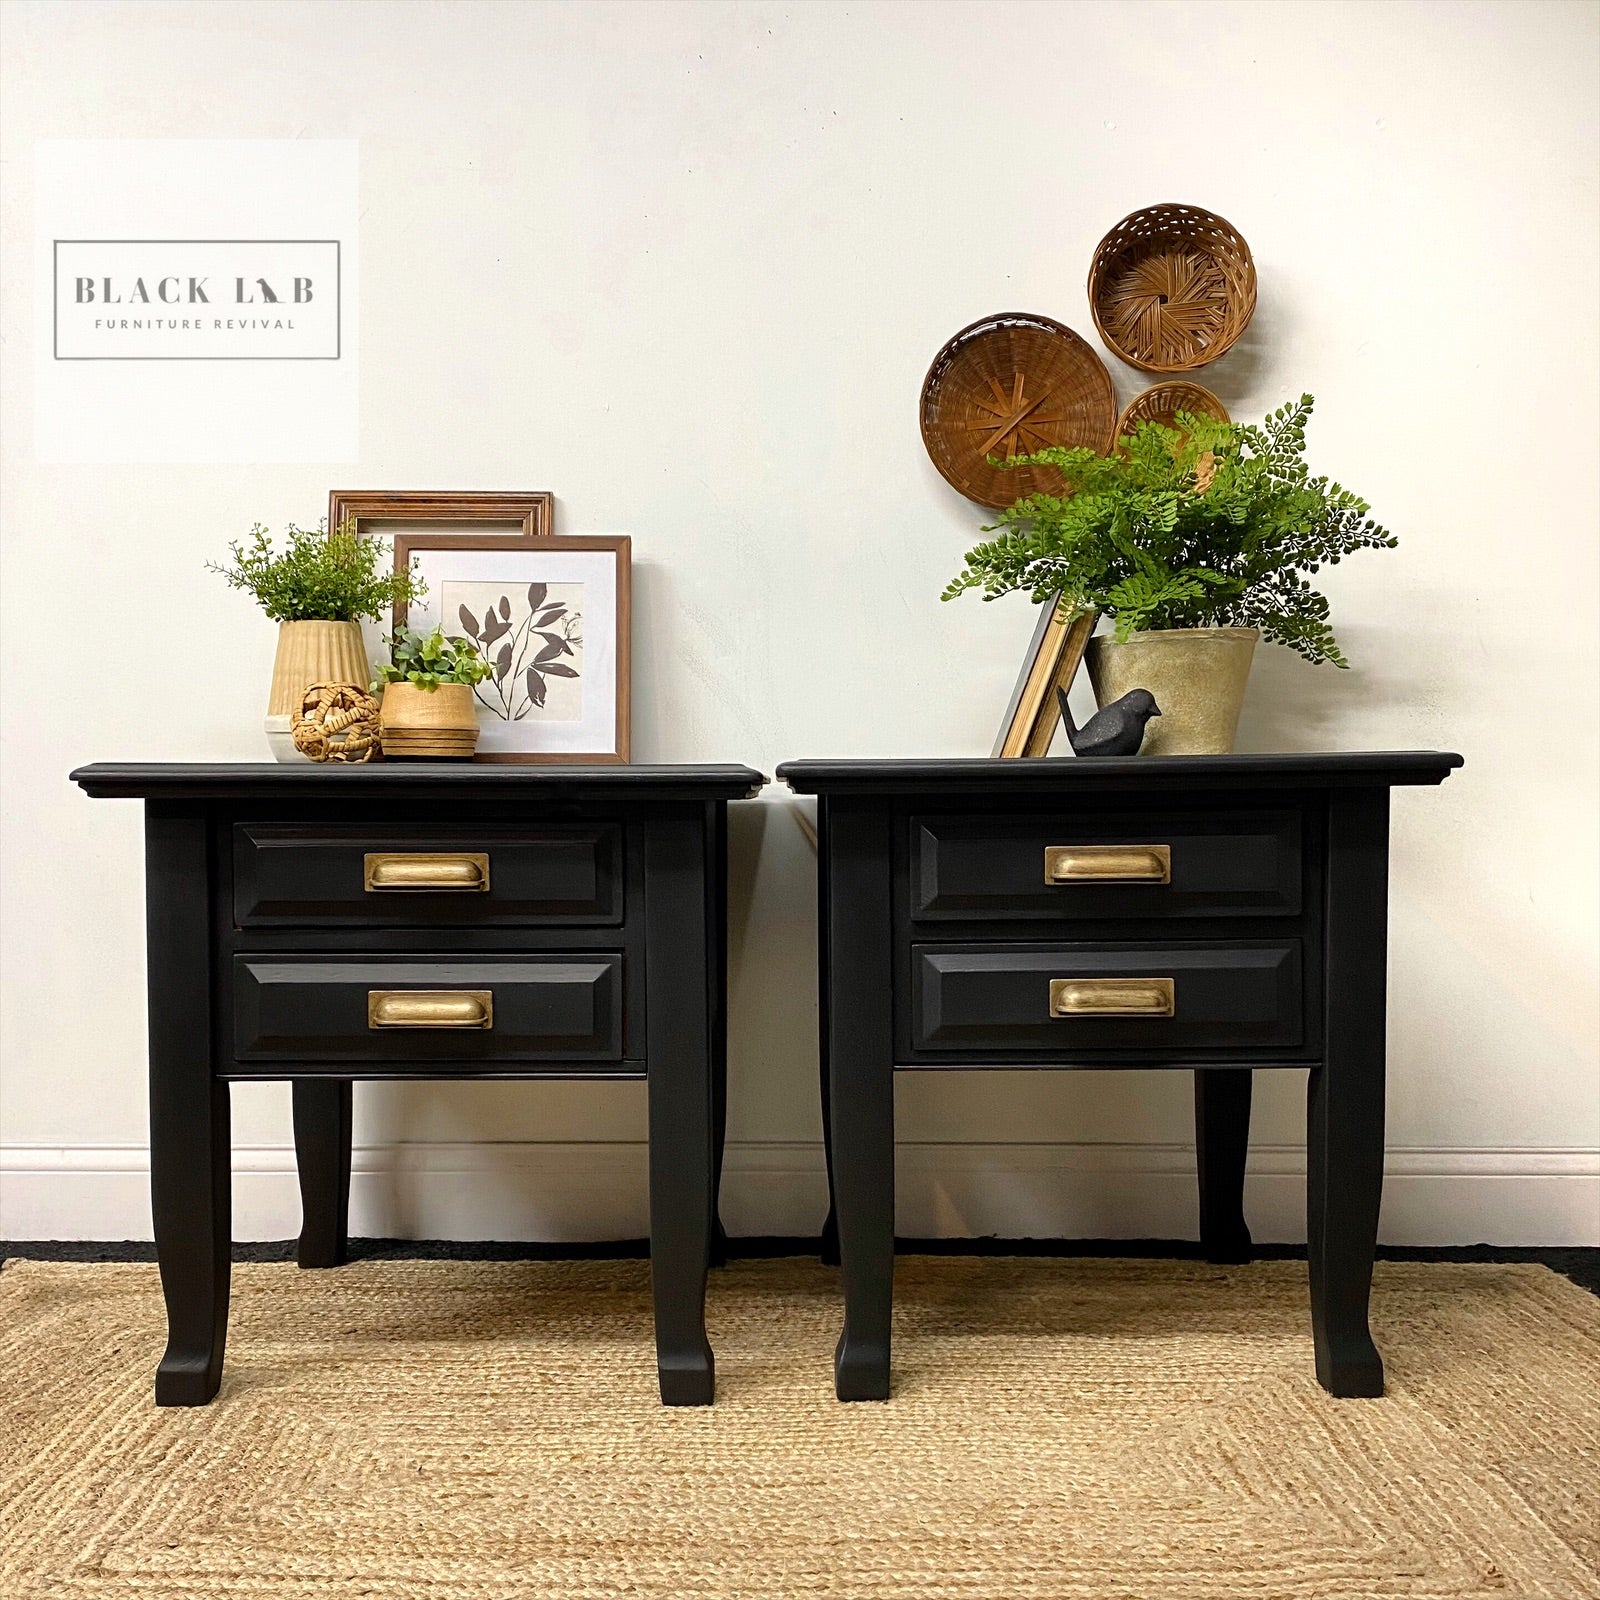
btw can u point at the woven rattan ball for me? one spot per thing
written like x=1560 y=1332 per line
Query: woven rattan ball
x=1164 y=401
x=1007 y=386
x=336 y=722
x=1171 y=287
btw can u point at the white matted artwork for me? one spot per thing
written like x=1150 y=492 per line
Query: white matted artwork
x=551 y=617
x=533 y=640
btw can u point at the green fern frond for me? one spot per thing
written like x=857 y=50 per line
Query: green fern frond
x=1149 y=539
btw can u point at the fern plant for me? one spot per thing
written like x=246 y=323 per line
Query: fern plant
x=1216 y=524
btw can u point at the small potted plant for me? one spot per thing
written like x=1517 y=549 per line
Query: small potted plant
x=317 y=591
x=427 y=687
x=1195 y=542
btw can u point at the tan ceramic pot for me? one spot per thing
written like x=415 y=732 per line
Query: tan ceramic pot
x=1197 y=675
x=428 y=722
x=308 y=653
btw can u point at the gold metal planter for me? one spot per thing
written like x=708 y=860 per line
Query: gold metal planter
x=1197 y=675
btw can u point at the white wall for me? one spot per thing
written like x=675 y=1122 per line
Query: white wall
x=685 y=265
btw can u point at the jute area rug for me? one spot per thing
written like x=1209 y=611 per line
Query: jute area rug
x=1060 y=1429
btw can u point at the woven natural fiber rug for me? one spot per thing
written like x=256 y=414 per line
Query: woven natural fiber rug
x=1067 y=1429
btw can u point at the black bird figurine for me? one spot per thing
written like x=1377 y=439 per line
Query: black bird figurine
x=1116 y=729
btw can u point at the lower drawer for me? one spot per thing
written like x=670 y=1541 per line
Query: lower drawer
x=379 y=1009
x=1053 y=998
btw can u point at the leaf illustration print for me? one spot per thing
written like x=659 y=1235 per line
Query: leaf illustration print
x=533 y=641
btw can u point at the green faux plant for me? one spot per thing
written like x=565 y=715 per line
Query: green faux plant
x=1213 y=525
x=319 y=577
x=428 y=660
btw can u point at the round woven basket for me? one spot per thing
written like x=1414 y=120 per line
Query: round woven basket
x=1164 y=401
x=1006 y=386
x=1171 y=287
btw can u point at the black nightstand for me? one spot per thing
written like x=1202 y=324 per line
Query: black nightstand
x=1219 y=913
x=427 y=920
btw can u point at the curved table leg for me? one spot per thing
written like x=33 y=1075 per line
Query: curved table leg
x=1344 y=1101
x=860 y=1051
x=1222 y=1142
x=322 y=1158
x=678 y=1011
x=190 y=1169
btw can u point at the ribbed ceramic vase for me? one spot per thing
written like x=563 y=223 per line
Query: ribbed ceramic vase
x=308 y=653
x=1197 y=676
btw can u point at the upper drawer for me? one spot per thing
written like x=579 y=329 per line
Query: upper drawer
x=387 y=877
x=1106 y=864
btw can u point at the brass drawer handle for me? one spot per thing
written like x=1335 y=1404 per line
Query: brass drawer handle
x=1112 y=997
x=451 y=871
x=430 y=1008
x=1108 y=863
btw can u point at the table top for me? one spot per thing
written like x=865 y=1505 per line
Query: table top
x=1311 y=770
x=234 y=780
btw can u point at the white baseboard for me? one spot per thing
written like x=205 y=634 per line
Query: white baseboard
x=573 y=1192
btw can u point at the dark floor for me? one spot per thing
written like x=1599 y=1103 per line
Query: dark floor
x=1581 y=1264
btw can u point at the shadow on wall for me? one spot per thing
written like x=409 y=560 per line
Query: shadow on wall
x=772 y=976
x=1292 y=705
x=1237 y=378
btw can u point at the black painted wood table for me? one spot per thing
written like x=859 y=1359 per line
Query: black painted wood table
x=427 y=920
x=1213 y=913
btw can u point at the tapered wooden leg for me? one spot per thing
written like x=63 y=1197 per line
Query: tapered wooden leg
x=860 y=1048
x=322 y=1156
x=190 y=1198
x=1344 y=1187
x=678 y=1008
x=191 y=1206
x=1222 y=1141
x=1344 y=1109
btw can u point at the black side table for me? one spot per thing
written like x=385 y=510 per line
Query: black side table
x=1219 y=913
x=427 y=920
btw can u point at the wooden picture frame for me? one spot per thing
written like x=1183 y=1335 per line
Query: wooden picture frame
x=1052 y=661
x=510 y=728
x=528 y=515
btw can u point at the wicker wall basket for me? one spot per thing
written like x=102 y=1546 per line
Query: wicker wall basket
x=1164 y=401
x=1006 y=386
x=1171 y=287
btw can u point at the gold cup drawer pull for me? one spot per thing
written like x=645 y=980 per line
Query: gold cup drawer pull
x=430 y=1008
x=451 y=871
x=1112 y=997
x=1108 y=863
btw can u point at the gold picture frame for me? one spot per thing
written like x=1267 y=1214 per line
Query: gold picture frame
x=1052 y=662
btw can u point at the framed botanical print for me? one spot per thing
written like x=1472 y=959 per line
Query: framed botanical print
x=553 y=618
